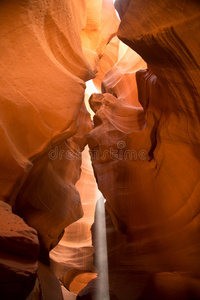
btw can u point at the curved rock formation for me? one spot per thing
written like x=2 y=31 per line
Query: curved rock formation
x=144 y=146
x=149 y=174
x=19 y=250
x=117 y=80
x=50 y=210
x=34 y=72
x=44 y=123
x=73 y=256
x=42 y=93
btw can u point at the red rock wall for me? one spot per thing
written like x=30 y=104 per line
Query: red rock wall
x=149 y=174
x=49 y=50
x=144 y=145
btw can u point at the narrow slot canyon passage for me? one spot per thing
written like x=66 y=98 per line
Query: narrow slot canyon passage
x=100 y=150
x=74 y=253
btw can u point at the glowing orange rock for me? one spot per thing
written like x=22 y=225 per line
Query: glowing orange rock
x=42 y=77
x=117 y=80
x=149 y=175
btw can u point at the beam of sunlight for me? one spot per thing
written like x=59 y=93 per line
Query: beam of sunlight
x=101 y=253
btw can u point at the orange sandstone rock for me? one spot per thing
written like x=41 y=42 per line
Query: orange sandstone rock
x=19 y=250
x=149 y=174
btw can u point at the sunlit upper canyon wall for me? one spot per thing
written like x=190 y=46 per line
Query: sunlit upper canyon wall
x=132 y=135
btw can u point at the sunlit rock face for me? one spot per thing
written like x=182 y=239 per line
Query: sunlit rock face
x=42 y=73
x=49 y=50
x=144 y=146
x=72 y=258
x=146 y=160
x=120 y=80
x=101 y=25
x=19 y=249
x=43 y=70
x=54 y=202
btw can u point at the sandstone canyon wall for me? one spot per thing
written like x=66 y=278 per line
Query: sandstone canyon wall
x=143 y=140
x=48 y=51
x=148 y=168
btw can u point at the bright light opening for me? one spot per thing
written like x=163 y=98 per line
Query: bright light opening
x=90 y=87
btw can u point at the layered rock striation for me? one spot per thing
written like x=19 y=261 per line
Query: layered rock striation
x=146 y=160
x=144 y=147
x=46 y=57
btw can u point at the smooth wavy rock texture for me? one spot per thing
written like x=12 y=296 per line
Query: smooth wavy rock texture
x=42 y=92
x=118 y=78
x=44 y=123
x=49 y=50
x=73 y=256
x=144 y=147
x=146 y=161
x=43 y=70
x=39 y=85
x=19 y=250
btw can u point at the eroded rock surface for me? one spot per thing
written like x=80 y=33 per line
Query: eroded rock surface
x=44 y=123
x=41 y=95
x=144 y=147
x=19 y=250
x=73 y=256
x=149 y=174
